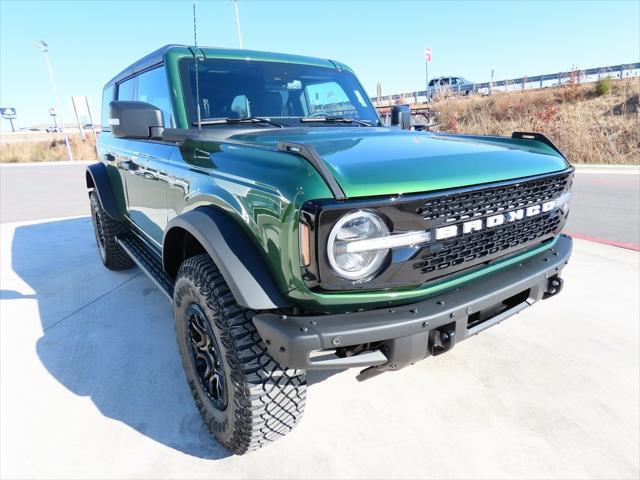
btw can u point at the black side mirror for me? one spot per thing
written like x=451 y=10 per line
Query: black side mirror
x=401 y=115
x=135 y=120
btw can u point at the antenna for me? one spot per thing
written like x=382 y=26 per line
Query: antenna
x=195 y=43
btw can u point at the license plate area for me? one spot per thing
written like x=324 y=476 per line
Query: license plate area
x=486 y=314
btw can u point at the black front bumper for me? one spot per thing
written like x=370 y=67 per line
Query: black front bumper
x=406 y=334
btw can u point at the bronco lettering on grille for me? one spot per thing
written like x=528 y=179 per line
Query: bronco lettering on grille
x=493 y=221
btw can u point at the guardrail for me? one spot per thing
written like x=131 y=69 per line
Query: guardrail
x=581 y=76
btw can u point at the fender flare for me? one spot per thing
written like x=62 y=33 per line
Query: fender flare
x=97 y=179
x=237 y=258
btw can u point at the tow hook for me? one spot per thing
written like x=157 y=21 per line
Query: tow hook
x=442 y=339
x=554 y=287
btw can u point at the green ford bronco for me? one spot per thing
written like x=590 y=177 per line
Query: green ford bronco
x=292 y=230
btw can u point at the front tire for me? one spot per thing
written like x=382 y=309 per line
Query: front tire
x=245 y=397
x=106 y=230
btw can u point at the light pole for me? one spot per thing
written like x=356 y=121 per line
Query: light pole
x=235 y=7
x=44 y=48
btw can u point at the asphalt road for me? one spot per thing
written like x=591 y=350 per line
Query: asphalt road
x=33 y=191
x=605 y=206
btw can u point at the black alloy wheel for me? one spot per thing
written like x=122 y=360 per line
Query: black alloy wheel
x=206 y=357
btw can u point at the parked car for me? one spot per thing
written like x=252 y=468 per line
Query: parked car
x=448 y=86
x=291 y=231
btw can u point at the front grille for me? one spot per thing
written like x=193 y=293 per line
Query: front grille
x=413 y=266
x=482 y=244
x=475 y=246
x=477 y=203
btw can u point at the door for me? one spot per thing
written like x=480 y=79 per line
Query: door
x=146 y=181
x=144 y=167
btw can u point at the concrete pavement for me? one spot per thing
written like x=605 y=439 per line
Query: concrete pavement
x=92 y=385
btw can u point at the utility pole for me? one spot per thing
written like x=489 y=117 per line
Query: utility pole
x=427 y=59
x=75 y=111
x=235 y=7
x=44 y=48
x=93 y=125
x=426 y=75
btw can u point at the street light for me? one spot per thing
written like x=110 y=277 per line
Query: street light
x=44 y=48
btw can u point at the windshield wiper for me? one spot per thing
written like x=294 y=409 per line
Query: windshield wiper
x=336 y=119
x=222 y=121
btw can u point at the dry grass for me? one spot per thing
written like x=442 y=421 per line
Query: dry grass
x=587 y=127
x=47 y=150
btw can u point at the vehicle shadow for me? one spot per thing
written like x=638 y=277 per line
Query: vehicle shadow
x=110 y=336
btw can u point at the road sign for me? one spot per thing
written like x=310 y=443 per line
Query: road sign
x=427 y=54
x=8 y=112
x=52 y=111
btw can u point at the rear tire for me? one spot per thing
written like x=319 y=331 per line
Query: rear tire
x=245 y=397
x=106 y=230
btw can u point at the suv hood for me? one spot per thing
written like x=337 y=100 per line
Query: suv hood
x=381 y=161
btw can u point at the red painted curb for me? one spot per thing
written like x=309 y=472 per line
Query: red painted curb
x=605 y=241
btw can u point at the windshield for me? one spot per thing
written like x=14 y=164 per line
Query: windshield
x=284 y=91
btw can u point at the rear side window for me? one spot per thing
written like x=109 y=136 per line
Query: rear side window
x=153 y=89
x=107 y=97
x=125 y=90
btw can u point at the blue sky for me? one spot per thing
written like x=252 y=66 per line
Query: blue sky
x=384 y=41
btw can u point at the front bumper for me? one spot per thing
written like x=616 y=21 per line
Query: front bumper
x=403 y=335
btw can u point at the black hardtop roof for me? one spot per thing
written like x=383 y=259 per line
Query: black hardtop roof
x=144 y=63
x=157 y=56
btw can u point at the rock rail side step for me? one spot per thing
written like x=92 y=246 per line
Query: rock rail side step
x=148 y=261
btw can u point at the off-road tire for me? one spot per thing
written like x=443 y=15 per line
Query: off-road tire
x=264 y=400
x=106 y=230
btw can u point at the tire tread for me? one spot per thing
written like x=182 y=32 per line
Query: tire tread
x=269 y=398
x=115 y=257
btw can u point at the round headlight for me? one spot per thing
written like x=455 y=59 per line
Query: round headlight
x=354 y=227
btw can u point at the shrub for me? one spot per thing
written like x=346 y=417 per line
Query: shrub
x=603 y=86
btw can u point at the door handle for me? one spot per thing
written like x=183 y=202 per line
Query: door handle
x=109 y=157
x=129 y=165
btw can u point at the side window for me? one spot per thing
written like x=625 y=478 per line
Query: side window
x=125 y=89
x=153 y=89
x=107 y=97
